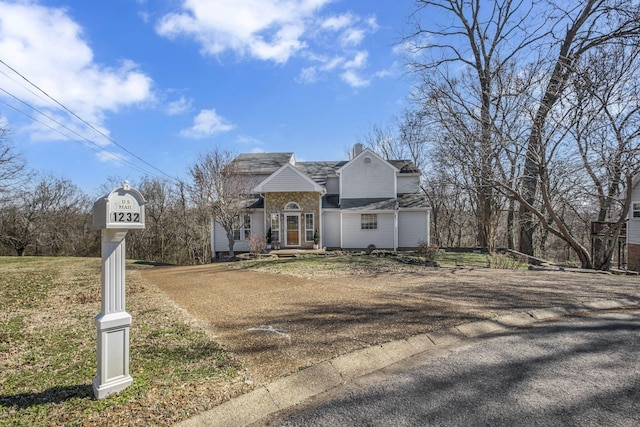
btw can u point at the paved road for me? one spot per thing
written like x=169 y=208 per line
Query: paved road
x=581 y=372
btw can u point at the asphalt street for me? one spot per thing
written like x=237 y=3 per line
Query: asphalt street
x=582 y=371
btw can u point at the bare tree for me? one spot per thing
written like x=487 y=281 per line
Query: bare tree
x=605 y=124
x=482 y=39
x=489 y=42
x=50 y=218
x=579 y=28
x=13 y=167
x=221 y=189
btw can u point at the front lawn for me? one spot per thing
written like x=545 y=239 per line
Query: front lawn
x=48 y=350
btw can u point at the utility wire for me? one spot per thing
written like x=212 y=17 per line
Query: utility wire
x=92 y=145
x=87 y=123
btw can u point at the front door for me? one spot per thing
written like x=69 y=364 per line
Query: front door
x=292 y=232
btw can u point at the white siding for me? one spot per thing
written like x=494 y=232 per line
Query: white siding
x=331 y=229
x=413 y=227
x=408 y=184
x=288 y=180
x=333 y=185
x=221 y=243
x=360 y=179
x=633 y=226
x=354 y=237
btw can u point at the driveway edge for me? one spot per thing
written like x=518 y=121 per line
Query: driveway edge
x=300 y=386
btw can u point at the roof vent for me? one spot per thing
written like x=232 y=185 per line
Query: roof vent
x=367 y=159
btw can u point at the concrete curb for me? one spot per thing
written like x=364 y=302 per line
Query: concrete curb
x=296 y=388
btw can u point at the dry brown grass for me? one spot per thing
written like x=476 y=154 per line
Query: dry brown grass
x=271 y=319
x=48 y=350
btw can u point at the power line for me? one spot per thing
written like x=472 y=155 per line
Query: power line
x=94 y=146
x=108 y=138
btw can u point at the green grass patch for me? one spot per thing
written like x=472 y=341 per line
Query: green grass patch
x=48 y=349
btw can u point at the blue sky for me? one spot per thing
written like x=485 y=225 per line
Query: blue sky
x=169 y=79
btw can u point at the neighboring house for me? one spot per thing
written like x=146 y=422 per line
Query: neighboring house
x=633 y=228
x=357 y=204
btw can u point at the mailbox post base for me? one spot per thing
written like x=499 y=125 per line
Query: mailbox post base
x=113 y=354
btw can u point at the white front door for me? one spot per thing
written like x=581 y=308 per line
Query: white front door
x=292 y=229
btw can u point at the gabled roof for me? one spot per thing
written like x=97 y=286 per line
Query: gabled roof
x=319 y=172
x=295 y=179
x=368 y=152
x=262 y=163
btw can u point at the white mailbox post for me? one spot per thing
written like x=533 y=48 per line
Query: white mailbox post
x=115 y=214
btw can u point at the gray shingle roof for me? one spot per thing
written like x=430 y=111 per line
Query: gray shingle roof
x=320 y=171
x=403 y=201
x=268 y=163
x=261 y=163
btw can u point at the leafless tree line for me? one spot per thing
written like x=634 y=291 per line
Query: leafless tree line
x=526 y=113
x=48 y=215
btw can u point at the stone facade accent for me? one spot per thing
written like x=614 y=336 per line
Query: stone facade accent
x=309 y=202
x=633 y=257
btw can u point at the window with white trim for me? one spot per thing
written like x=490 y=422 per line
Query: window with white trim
x=635 y=210
x=369 y=221
x=275 y=227
x=241 y=227
x=309 y=228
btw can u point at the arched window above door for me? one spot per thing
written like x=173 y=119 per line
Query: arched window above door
x=292 y=206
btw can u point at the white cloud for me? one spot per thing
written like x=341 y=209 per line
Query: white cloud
x=308 y=75
x=46 y=46
x=248 y=140
x=180 y=106
x=263 y=29
x=274 y=30
x=353 y=79
x=337 y=23
x=352 y=37
x=358 y=61
x=207 y=123
x=351 y=70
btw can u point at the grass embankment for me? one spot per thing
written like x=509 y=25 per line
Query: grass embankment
x=361 y=264
x=48 y=350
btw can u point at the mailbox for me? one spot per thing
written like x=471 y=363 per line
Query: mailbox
x=121 y=209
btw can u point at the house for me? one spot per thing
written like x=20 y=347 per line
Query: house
x=361 y=203
x=633 y=228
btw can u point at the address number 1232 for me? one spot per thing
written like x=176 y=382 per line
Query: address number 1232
x=126 y=217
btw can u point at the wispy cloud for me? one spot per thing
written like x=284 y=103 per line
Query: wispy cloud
x=274 y=30
x=207 y=123
x=178 y=107
x=264 y=29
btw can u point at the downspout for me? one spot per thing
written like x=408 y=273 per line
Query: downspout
x=264 y=215
x=321 y=218
x=395 y=230
x=395 y=225
x=213 y=238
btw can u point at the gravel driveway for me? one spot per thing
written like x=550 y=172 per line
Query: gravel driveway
x=277 y=324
